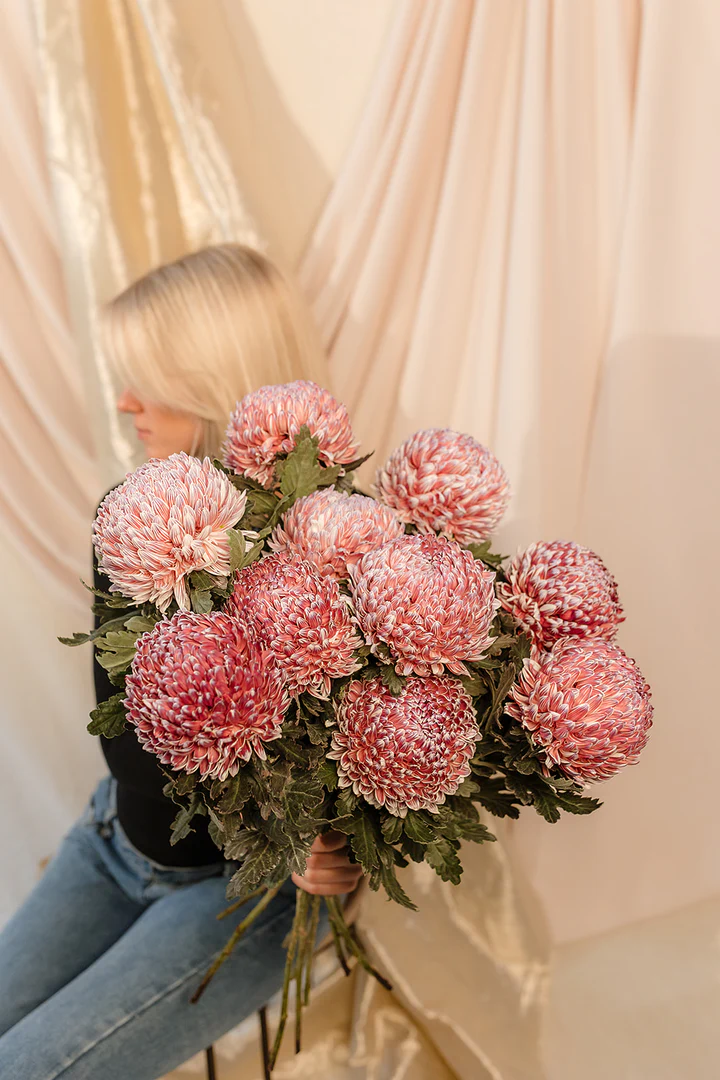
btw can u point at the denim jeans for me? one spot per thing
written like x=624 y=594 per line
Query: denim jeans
x=98 y=965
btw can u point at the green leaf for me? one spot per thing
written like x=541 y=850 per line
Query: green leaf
x=353 y=465
x=347 y=801
x=201 y=602
x=237 y=543
x=108 y=718
x=82 y=639
x=417 y=829
x=499 y=802
x=501 y=691
x=394 y=682
x=484 y=554
x=298 y=473
x=117 y=641
x=202 y=581
x=392 y=828
x=181 y=825
x=476 y=832
x=393 y=887
x=140 y=624
x=259 y=857
x=444 y=860
x=364 y=843
x=577 y=804
x=327 y=774
x=231 y=794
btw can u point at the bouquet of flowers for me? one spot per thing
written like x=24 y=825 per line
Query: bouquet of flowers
x=302 y=657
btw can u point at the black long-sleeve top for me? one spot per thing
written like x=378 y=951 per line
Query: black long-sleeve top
x=144 y=813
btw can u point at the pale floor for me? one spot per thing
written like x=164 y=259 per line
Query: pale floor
x=641 y=1003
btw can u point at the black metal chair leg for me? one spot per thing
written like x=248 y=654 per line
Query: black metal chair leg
x=265 y=1042
x=210 y=1062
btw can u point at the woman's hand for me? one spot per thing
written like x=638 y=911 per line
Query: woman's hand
x=329 y=871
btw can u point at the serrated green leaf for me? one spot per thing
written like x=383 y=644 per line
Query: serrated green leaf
x=327 y=774
x=201 y=602
x=499 y=802
x=232 y=794
x=237 y=543
x=347 y=801
x=392 y=828
x=259 y=857
x=109 y=718
x=300 y=472
x=363 y=841
x=476 y=832
x=181 y=825
x=394 y=682
x=412 y=849
x=444 y=861
x=82 y=639
x=484 y=554
x=577 y=804
x=202 y=581
x=140 y=624
x=417 y=829
x=393 y=887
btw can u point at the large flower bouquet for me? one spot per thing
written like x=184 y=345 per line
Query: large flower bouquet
x=302 y=657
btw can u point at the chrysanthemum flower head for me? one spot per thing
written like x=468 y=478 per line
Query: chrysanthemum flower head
x=301 y=617
x=407 y=752
x=428 y=601
x=266 y=422
x=586 y=704
x=333 y=530
x=168 y=518
x=445 y=482
x=204 y=695
x=561 y=589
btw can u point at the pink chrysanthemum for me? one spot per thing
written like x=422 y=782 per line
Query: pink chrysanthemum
x=302 y=618
x=586 y=704
x=560 y=589
x=444 y=482
x=406 y=752
x=334 y=530
x=167 y=519
x=265 y=423
x=203 y=694
x=428 y=601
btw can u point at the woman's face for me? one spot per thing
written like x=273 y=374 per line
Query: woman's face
x=162 y=431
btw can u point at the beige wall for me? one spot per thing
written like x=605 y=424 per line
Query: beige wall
x=308 y=65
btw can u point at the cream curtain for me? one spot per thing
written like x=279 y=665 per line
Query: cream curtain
x=48 y=482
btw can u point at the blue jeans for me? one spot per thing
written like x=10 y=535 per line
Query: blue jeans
x=98 y=965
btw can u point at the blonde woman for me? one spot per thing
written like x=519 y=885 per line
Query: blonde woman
x=97 y=967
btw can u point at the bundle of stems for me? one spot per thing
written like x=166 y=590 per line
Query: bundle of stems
x=300 y=946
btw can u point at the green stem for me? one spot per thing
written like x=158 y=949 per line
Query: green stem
x=303 y=906
x=314 y=921
x=339 y=951
x=238 y=933
x=241 y=902
x=289 y=969
x=336 y=916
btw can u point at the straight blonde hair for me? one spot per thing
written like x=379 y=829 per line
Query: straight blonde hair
x=199 y=333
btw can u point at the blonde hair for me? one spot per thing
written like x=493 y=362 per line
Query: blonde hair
x=199 y=333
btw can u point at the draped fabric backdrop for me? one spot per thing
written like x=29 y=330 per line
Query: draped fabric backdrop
x=522 y=242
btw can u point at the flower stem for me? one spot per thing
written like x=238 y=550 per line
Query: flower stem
x=232 y=942
x=337 y=919
x=339 y=951
x=241 y=902
x=300 y=952
x=287 y=977
x=314 y=920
